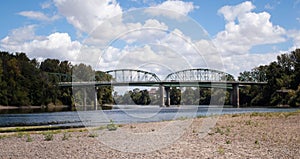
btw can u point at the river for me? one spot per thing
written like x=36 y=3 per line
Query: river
x=123 y=115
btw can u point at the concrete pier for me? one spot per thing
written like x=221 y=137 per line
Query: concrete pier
x=236 y=95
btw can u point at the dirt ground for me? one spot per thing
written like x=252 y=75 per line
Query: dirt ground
x=254 y=135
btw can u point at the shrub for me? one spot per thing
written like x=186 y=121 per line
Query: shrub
x=48 y=136
x=111 y=126
x=29 y=139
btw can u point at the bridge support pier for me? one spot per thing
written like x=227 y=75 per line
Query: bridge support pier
x=95 y=99
x=84 y=98
x=236 y=95
x=162 y=95
x=167 y=89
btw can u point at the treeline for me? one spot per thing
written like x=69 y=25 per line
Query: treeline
x=283 y=77
x=282 y=89
x=26 y=82
x=178 y=96
x=29 y=82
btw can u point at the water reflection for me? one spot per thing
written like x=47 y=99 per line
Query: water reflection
x=26 y=110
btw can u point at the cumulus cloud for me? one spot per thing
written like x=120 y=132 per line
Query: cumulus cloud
x=46 y=5
x=86 y=15
x=150 y=43
x=245 y=29
x=56 y=45
x=38 y=16
x=20 y=35
x=295 y=35
x=239 y=63
x=150 y=31
x=167 y=8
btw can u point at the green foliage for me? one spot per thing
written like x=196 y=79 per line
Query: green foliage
x=28 y=82
x=205 y=96
x=93 y=135
x=111 y=126
x=190 y=96
x=48 y=136
x=294 y=99
x=283 y=81
x=175 y=96
x=28 y=138
x=66 y=136
x=228 y=141
x=140 y=97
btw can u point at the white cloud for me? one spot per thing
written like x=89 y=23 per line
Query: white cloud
x=56 y=45
x=269 y=6
x=295 y=35
x=157 y=46
x=86 y=15
x=20 y=35
x=38 y=16
x=170 y=7
x=230 y=13
x=46 y=4
x=245 y=29
x=150 y=31
x=239 y=63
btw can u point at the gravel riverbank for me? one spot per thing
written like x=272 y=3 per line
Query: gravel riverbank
x=255 y=135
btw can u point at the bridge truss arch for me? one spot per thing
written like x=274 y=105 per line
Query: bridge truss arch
x=132 y=75
x=199 y=74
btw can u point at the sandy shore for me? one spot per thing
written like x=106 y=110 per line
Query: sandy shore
x=268 y=135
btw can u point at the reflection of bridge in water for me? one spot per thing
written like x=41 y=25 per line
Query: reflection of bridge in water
x=203 y=78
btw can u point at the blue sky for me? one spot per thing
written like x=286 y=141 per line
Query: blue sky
x=245 y=34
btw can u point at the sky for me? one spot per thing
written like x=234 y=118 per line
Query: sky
x=153 y=35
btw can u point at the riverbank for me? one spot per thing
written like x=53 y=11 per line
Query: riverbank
x=32 y=107
x=252 y=135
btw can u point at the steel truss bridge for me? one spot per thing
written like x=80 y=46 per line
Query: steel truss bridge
x=208 y=78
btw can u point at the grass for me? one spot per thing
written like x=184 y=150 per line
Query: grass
x=182 y=118
x=28 y=138
x=228 y=142
x=2 y=136
x=99 y=128
x=248 y=122
x=235 y=115
x=93 y=135
x=111 y=126
x=221 y=150
x=201 y=116
x=66 y=136
x=48 y=136
x=21 y=134
x=219 y=130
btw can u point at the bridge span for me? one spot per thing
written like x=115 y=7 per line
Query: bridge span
x=186 y=78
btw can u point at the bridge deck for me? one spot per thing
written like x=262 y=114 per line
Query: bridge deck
x=157 y=83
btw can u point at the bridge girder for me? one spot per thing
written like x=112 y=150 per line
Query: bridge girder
x=199 y=75
x=132 y=75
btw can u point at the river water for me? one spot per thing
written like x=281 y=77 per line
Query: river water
x=123 y=115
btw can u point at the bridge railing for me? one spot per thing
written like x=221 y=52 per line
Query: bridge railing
x=199 y=75
x=130 y=75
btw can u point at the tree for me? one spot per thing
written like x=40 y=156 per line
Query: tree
x=189 y=97
x=175 y=96
x=140 y=97
x=83 y=73
x=283 y=74
x=205 y=96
